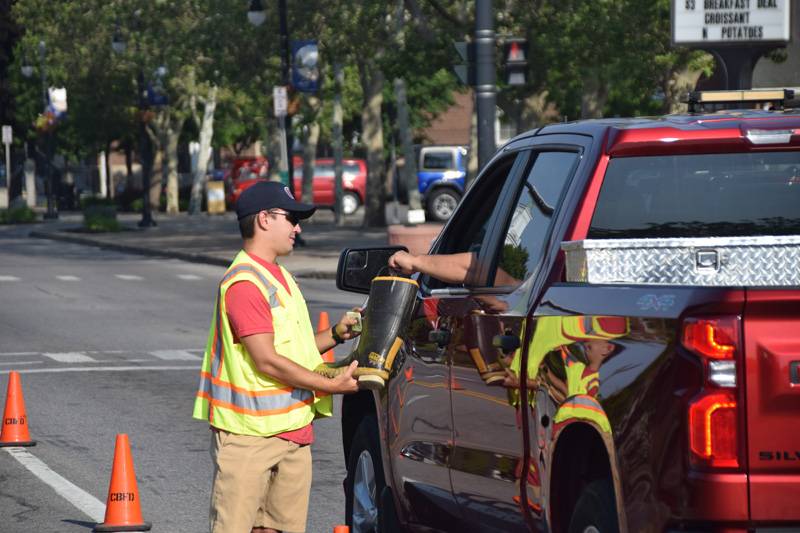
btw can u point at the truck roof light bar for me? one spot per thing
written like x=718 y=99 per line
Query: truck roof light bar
x=775 y=98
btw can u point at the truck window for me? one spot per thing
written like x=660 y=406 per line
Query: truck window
x=706 y=195
x=468 y=232
x=438 y=161
x=529 y=226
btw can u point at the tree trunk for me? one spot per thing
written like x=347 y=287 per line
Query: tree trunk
x=206 y=133
x=309 y=161
x=169 y=168
x=594 y=96
x=112 y=186
x=273 y=149
x=409 y=171
x=372 y=128
x=677 y=85
x=338 y=114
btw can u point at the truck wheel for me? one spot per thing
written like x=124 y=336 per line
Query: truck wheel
x=596 y=509
x=441 y=204
x=367 y=507
x=350 y=203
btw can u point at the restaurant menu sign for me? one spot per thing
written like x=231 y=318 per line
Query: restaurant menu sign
x=731 y=22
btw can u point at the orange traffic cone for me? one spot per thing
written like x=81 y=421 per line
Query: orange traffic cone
x=122 y=506
x=341 y=529
x=15 y=421
x=323 y=325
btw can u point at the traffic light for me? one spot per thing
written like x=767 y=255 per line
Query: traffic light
x=515 y=61
x=466 y=69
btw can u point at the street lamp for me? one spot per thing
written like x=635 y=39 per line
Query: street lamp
x=118 y=45
x=49 y=141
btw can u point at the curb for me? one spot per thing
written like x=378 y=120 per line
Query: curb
x=172 y=254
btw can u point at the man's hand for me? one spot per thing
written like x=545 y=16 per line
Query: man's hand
x=403 y=262
x=345 y=325
x=344 y=383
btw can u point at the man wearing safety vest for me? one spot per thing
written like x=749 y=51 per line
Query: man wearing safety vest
x=257 y=389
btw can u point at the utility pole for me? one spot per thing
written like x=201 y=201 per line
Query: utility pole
x=485 y=89
x=285 y=62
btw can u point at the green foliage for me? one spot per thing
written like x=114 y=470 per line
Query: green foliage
x=17 y=215
x=100 y=214
x=97 y=223
x=514 y=261
x=96 y=201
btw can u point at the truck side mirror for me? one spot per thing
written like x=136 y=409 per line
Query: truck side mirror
x=357 y=267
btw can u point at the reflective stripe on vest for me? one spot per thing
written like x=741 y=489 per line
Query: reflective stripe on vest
x=260 y=403
x=585 y=408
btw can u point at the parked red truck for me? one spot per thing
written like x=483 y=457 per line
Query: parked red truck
x=640 y=371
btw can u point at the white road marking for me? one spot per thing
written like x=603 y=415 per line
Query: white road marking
x=189 y=277
x=9 y=278
x=69 y=278
x=11 y=363
x=175 y=355
x=12 y=354
x=82 y=500
x=70 y=357
x=55 y=370
x=129 y=277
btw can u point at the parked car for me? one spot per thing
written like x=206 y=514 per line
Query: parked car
x=642 y=370
x=441 y=172
x=354 y=183
x=244 y=172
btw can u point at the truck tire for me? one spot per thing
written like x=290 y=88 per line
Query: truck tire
x=441 y=203
x=350 y=202
x=368 y=504
x=596 y=509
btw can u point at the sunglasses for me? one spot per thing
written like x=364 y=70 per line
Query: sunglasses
x=290 y=217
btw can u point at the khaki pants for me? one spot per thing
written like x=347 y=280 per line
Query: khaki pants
x=258 y=482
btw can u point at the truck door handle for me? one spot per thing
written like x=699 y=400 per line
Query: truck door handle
x=440 y=336
x=506 y=343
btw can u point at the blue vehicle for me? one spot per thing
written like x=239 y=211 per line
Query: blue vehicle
x=441 y=174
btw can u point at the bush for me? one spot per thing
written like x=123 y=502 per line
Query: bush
x=17 y=215
x=101 y=217
x=91 y=201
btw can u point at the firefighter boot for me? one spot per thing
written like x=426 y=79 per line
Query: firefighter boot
x=388 y=313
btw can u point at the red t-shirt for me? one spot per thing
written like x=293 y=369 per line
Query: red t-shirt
x=249 y=314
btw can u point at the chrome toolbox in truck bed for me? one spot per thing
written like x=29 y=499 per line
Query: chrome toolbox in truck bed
x=766 y=261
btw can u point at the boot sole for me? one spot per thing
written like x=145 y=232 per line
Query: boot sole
x=368 y=374
x=371 y=382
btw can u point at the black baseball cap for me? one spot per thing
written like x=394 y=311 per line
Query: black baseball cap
x=266 y=195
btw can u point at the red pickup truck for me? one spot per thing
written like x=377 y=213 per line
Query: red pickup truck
x=625 y=355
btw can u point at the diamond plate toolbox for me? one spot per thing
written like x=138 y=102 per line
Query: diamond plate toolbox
x=708 y=261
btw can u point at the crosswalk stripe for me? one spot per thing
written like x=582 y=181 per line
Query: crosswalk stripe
x=85 y=502
x=189 y=277
x=128 y=277
x=175 y=355
x=70 y=357
x=9 y=278
x=68 y=278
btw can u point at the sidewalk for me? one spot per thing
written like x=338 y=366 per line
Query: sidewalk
x=215 y=239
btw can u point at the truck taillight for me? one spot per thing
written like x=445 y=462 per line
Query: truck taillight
x=713 y=430
x=714 y=338
x=714 y=414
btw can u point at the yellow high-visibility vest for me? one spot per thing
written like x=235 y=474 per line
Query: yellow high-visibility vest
x=233 y=395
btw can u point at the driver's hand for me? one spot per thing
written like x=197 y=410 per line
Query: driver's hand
x=402 y=262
